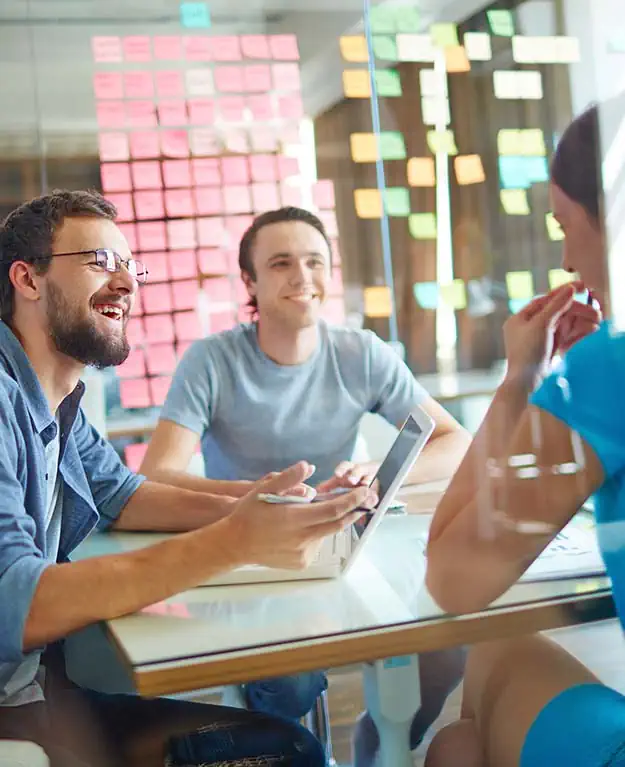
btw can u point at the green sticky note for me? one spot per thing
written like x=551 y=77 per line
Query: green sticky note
x=554 y=230
x=407 y=19
x=385 y=47
x=392 y=145
x=381 y=20
x=195 y=15
x=426 y=294
x=388 y=83
x=501 y=23
x=445 y=35
x=520 y=285
x=396 y=201
x=423 y=226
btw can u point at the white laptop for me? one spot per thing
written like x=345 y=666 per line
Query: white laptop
x=337 y=553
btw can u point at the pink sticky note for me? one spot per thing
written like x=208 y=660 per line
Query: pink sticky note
x=137 y=48
x=287 y=167
x=328 y=218
x=197 y=48
x=160 y=358
x=265 y=197
x=289 y=134
x=106 y=49
x=336 y=283
x=229 y=79
x=134 y=394
x=144 y=144
x=226 y=48
x=237 y=199
x=255 y=47
x=134 y=365
x=151 y=236
x=135 y=332
x=134 y=455
x=232 y=261
x=138 y=85
x=291 y=107
x=179 y=202
x=264 y=139
x=206 y=172
x=113 y=146
x=167 y=48
x=211 y=232
x=183 y=346
x=158 y=394
x=201 y=111
x=221 y=321
x=185 y=294
x=333 y=311
x=218 y=291
x=110 y=114
x=323 y=195
x=115 y=177
x=231 y=108
x=291 y=195
x=205 y=141
x=284 y=47
x=130 y=233
x=175 y=143
x=108 y=85
x=182 y=264
x=146 y=175
x=236 y=227
x=141 y=114
x=157 y=266
x=240 y=292
x=187 y=327
x=159 y=328
x=235 y=170
x=263 y=167
x=181 y=234
x=123 y=203
x=257 y=78
x=244 y=314
x=172 y=112
x=237 y=141
x=156 y=298
x=208 y=200
x=286 y=77
x=169 y=83
x=177 y=173
x=212 y=261
x=149 y=205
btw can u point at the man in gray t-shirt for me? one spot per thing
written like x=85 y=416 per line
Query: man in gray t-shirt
x=287 y=387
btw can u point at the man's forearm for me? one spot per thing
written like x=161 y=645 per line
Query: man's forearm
x=71 y=596
x=197 y=484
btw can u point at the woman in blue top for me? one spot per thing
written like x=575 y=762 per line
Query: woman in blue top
x=528 y=702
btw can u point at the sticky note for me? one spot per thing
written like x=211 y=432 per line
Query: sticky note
x=157 y=266
x=138 y=85
x=291 y=107
x=354 y=49
x=284 y=47
x=182 y=264
x=368 y=203
x=323 y=194
x=172 y=112
x=159 y=328
x=208 y=201
x=146 y=175
x=197 y=48
x=110 y=114
x=426 y=294
x=537 y=169
x=226 y=48
x=179 y=203
x=356 y=84
x=530 y=142
x=396 y=201
x=454 y=295
x=169 y=84
x=524 y=84
x=130 y=233
x=151 y=235
x=218 y=291
x=185 y=293
x=261 y=107
x=407 y=18
x=435 y=110
x=263 y=168
x=265 y=197
x=115 y=177
x=106 y=49
x=328 y=218
x=161 y=358
x=206 y=172
x=229 y=79
x=520 y=285
x=211 y=232
x=421 y=172
x=385 y=47
x=554 y=230
x=469 y=169
x=156 y=298
x=134 y=394
x=364 y=147
x=237 y=199
x=181 y=234
x=478 y=46
x=288 y=167
x=141 y=114
x=444 y=35
x=231 y=108
x=149 y=204
x=456 y=60
x=113 y=146
x=201 y=111
x=514 y=202
x=255 y=47
x=137 y=48
x=123 y=203
x=432 y=83
x=133 y=366
x=108 y=85
x=175 y=143
x=501 y=22
x=176 y=173
x=442 y=142
x=513 y=173
x=237 y=141
x=167 y=47
x=388 y=83
x=257 y=78
x=336 y=287
x=378 y=301
x=392 y=145
x=235 y=170
x=205 y=142
x=418 y=48
x=195 y=15
x=381 y=19
x=144 y=145
x=422 y=226
x=291 y=195
x=187 y=327
x=236 y=227
x=199 y=82
x=286 y=77
x=558 y=277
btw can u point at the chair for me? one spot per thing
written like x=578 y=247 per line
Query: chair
x=18 y=753
x=318 y=722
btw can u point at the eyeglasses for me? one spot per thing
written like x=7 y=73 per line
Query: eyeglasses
x=110 y=261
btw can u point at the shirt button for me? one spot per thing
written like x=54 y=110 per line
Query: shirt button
x=46 y=476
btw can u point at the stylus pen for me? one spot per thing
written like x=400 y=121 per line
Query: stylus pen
x=590 y=299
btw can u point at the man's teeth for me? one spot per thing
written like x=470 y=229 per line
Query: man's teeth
x=108 y=310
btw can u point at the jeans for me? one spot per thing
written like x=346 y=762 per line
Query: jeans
x=291 y=697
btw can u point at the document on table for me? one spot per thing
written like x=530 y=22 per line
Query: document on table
x=573 y=553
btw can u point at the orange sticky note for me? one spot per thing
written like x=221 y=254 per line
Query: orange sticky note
x=368 y=203
x=175 y=143
x=284 y=47
x=421 y=172
x=149 y=204
x=255 y=47
x=111 y=114
x=229 y=79
x=144 y=145
x=176 y=173
x=169 y=84
x=182 y=264
x=151 y=235
x=146 y=175
x=208 y=201
x=257 y=78
x=378 y=301
x=179 y=203
x=138 y=85
x=108 y=85
x=115 y=177
x=469 y=169
x=167 y=47
x=181 y=234
x=356 y=84
x=172 y=112
x=113 y=146
x=457 y=59
x=364 y=147
x=354 y=49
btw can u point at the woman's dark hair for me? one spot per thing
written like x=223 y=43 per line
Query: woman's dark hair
x=289 y=214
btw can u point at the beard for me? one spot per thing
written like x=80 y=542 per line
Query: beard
x=80 y=338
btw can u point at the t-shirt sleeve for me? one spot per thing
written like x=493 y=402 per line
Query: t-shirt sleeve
x=585 y=393
x=192 y=394
x=394 y=391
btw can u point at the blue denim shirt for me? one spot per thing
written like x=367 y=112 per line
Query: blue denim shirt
x=96 y=487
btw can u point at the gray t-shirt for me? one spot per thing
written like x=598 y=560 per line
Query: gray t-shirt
x=255 y=416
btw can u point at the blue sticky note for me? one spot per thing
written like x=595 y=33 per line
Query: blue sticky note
x=195 y=15
x=427 y=294
x=513 y=172
x=537 y=169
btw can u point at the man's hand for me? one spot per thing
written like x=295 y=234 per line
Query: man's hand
x=576 y=323
x=290 y=535
x=240 y=488
x=347 y=474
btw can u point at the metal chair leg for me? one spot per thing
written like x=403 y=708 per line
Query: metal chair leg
x=318 y=722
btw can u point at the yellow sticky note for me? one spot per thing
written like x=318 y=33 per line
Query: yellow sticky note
x=378 y=301
x=368 y=203
x=444 y=35
x=354 y=48
x=469 y=169
x=554 y=230
x=364 y=147
x=532 y=143
x=509 y=142
x=520 y=285
x=559 y=277
x=457 y=60
x=454 y=294
x=442 y=141
x=423 y=226
x=515 y=202
x=356 y=84
x=421 y=171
